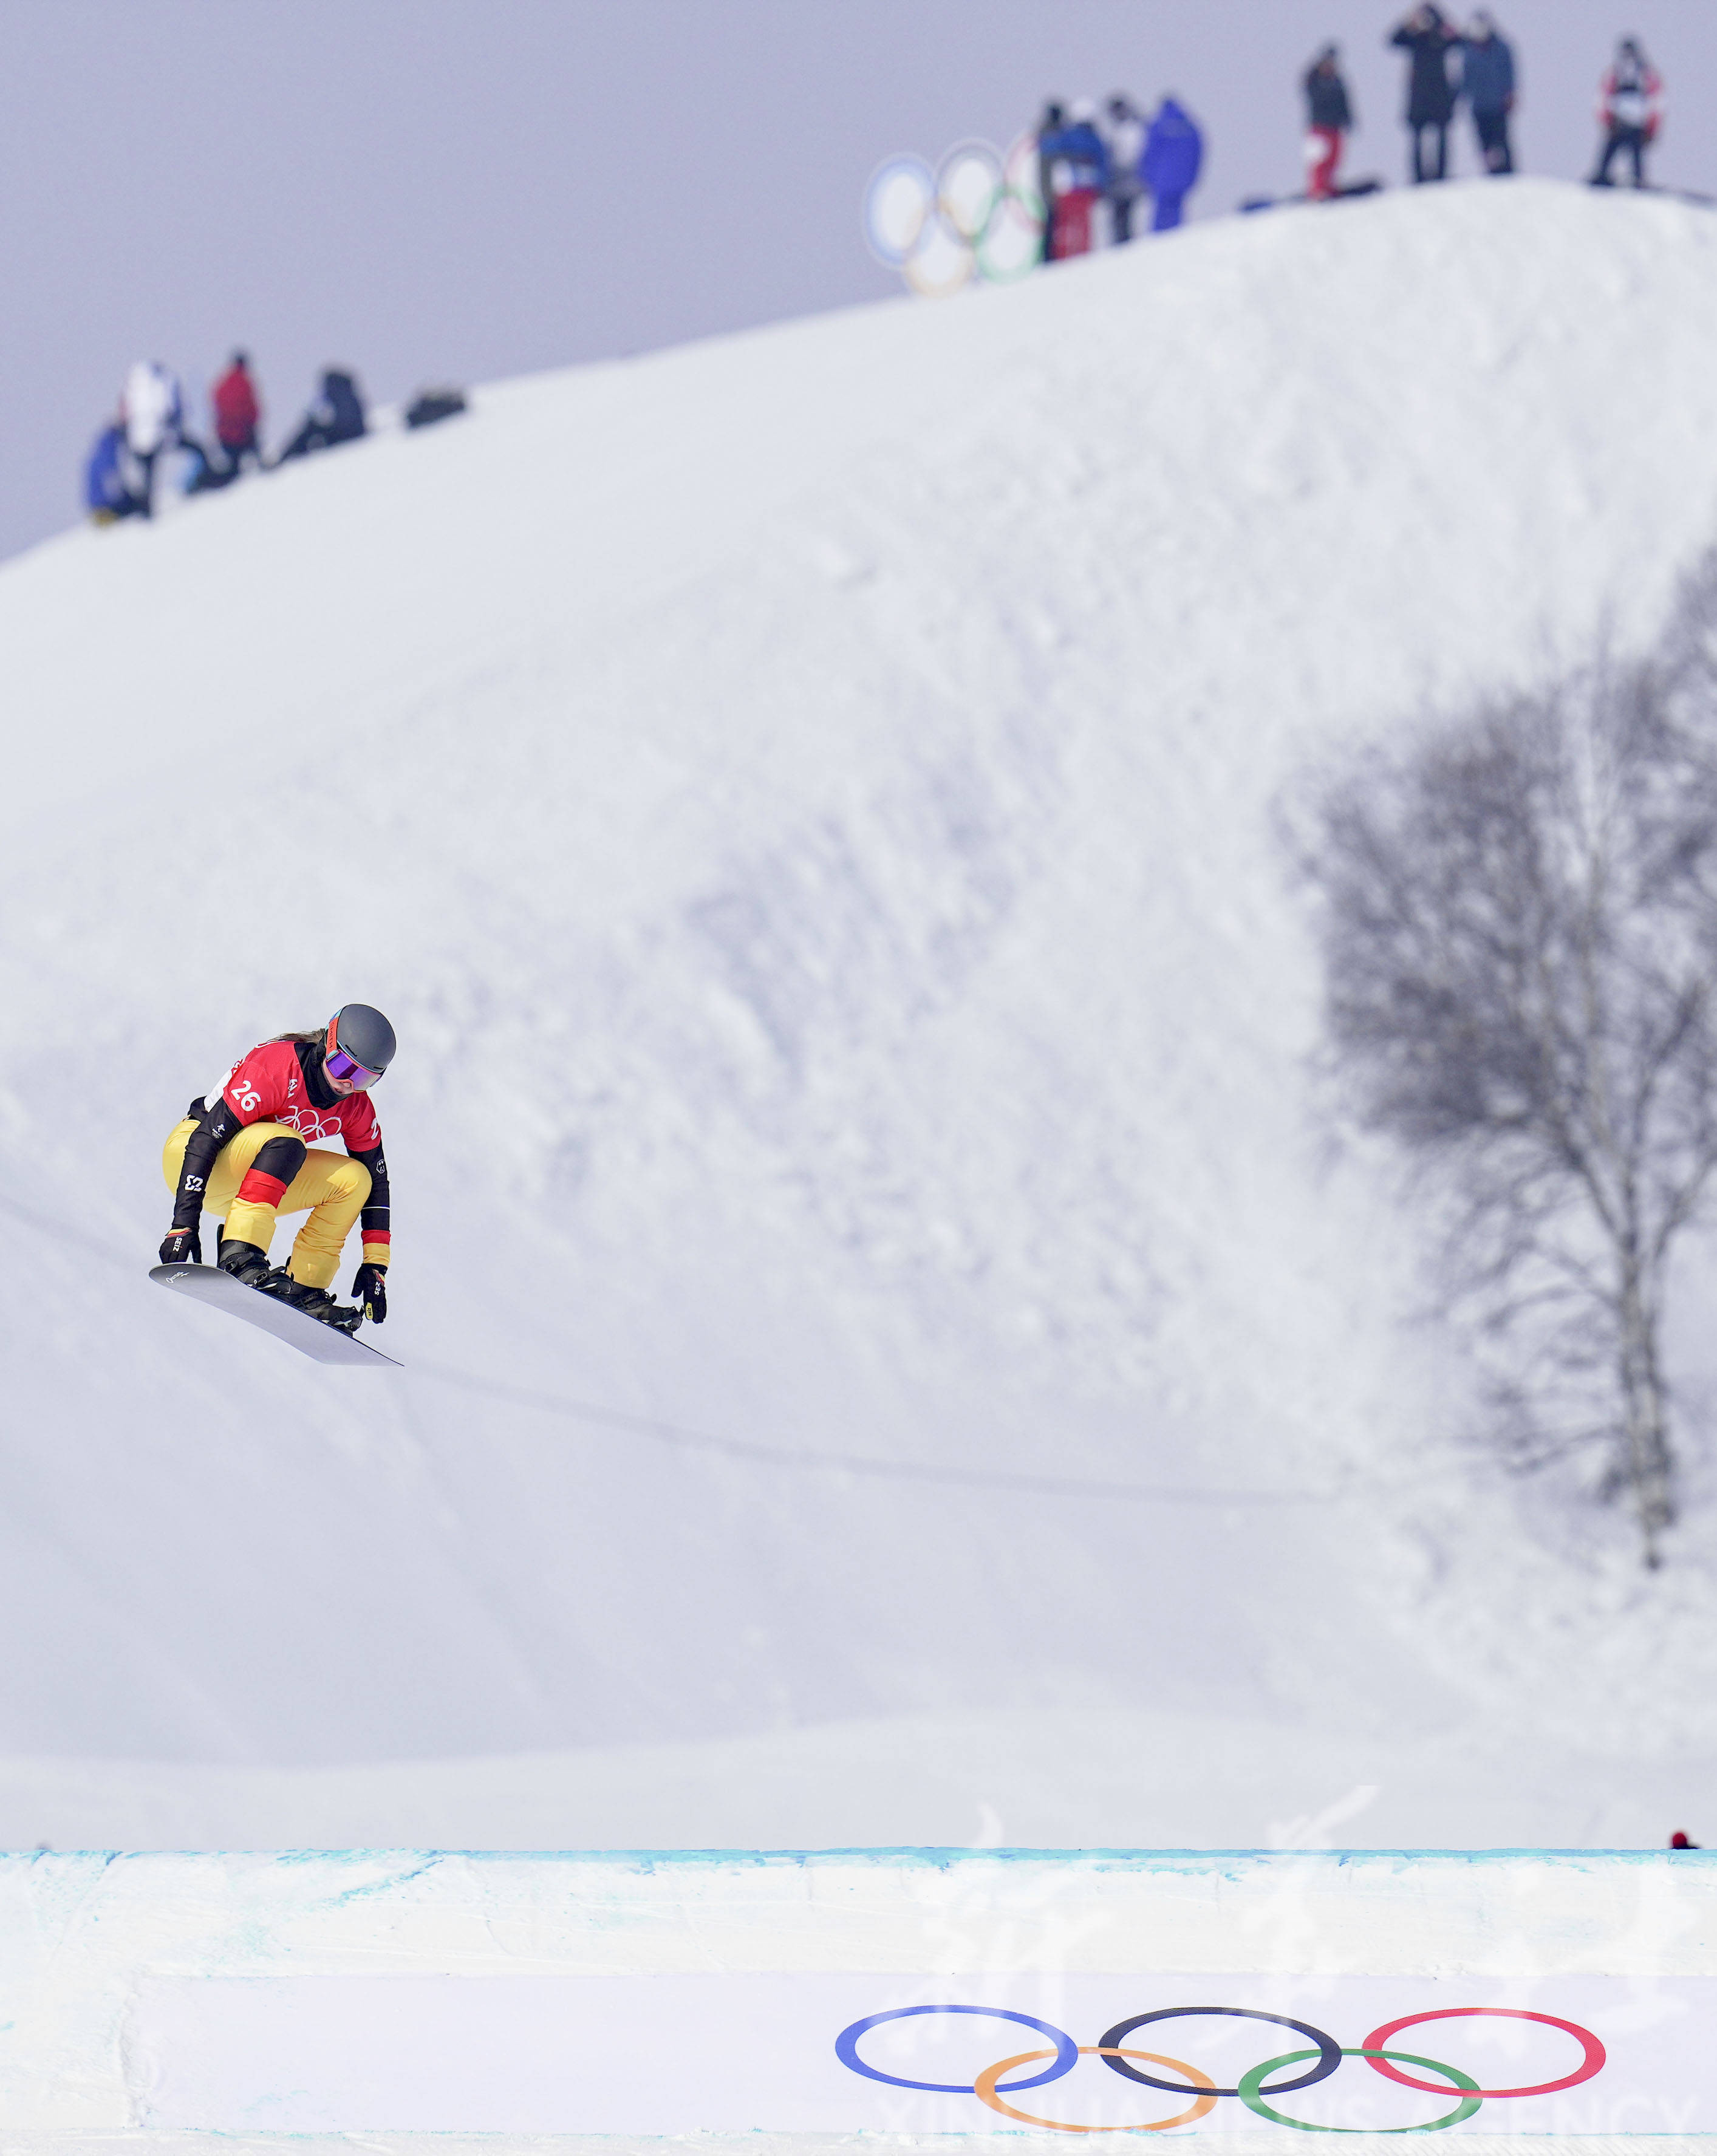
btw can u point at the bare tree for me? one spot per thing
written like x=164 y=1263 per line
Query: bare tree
x=1519 y=916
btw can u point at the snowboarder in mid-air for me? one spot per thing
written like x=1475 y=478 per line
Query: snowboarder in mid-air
x=241 y=1154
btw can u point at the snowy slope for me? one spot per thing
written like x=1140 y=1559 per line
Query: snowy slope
x=804 y=801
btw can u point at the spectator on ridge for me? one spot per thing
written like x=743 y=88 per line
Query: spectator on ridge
x=1055 y=118
x=1679 y=1840
x=237 y=413
x=1126 y=149
x=1630 y=112
x=153 y=412
x=1078 y=178
x=337 y=416
x=107 y=484
x=1329 y=115
x=203 y=474
x=1488 y=85
x=1428 y=36
x=1174 y=154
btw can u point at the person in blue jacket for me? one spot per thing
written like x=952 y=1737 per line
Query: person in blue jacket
x=1174 y=153
x=107 y=489
x=1487 y=84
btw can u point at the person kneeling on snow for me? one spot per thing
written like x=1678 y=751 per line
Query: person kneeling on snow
x=107 y=490
x=240 y=1152
x=337 y=416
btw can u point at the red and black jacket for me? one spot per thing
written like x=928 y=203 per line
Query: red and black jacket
x=283 y=1082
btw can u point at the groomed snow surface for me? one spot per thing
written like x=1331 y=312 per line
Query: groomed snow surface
x=806 y=802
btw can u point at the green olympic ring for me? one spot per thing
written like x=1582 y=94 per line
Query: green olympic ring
x=1250 y=2084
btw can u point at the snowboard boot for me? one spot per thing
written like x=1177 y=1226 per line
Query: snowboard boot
x=244 y=1261
x=315 y=1302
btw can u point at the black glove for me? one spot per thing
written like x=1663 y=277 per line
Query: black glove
x=369 y=1290
x=183 y=1247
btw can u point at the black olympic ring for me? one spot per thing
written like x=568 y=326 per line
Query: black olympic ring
x=1328 y=2050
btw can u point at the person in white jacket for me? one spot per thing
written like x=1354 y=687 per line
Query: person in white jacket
x=154 y=413
x=1125 y=136
x=1630 y=112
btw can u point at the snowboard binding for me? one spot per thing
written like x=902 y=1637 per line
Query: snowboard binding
x=244 y=1261
x=317 y=1302
x=249 y=1265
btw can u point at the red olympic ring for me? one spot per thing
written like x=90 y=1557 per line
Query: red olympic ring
x=1593 y=2062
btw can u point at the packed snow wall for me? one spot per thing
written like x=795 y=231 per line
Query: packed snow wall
x=895 y=1991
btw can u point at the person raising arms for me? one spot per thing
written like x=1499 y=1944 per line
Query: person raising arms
x=241 y=1152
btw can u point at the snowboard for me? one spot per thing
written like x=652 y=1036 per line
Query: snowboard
x=308 y=1335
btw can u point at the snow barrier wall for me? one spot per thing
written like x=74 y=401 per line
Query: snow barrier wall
x=809 y=1996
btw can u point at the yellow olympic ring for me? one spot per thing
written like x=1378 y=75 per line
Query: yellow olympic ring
x=984 y=2087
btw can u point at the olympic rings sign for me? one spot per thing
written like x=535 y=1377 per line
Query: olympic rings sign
x=977 y=215
x=1254 y=2088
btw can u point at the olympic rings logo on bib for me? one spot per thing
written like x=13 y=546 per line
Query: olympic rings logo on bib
x=1255 y=2088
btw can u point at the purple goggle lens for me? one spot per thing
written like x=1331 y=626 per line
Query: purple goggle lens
x=339 y=1064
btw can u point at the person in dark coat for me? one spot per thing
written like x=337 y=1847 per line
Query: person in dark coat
x=1329 y=115
x=1174 y=156
x=1055 y=118
x=337 y=416
x=1428 y=36
x=1487 y=84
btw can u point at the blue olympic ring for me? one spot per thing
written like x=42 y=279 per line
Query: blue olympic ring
x=1065 y=2059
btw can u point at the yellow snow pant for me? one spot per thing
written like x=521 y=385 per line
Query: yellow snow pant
x=332 y=1185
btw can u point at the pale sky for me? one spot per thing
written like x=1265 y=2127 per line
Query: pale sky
x=467 y=189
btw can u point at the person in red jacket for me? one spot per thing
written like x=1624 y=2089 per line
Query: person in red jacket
x=237 y=413
x=241 y=1151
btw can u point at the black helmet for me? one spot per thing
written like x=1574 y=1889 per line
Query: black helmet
x=359 y=1032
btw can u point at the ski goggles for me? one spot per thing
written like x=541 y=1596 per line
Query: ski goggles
x=347 y=1069
x=339 y=1064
